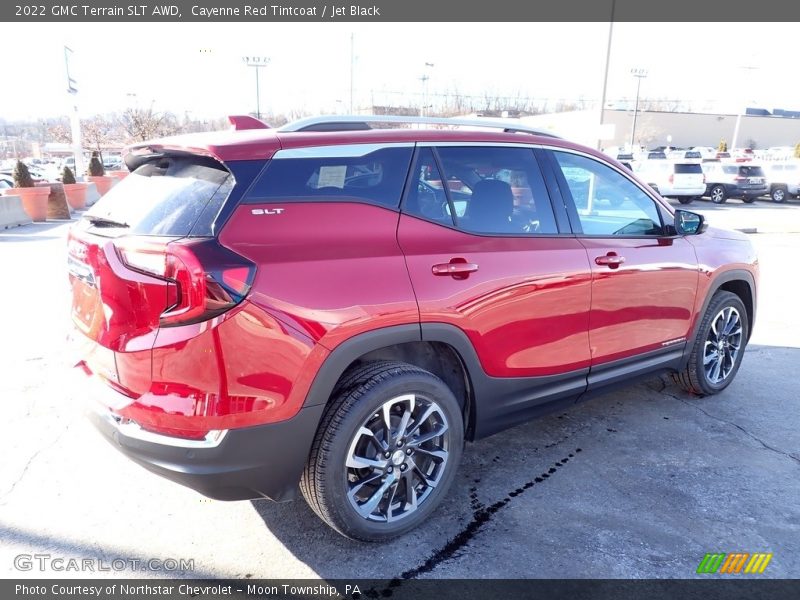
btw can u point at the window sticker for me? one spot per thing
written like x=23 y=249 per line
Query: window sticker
x=332 y=176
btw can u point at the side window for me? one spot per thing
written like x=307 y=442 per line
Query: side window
x=608 y=203
x=376 y=177
x=497 y=190
x=427 y=198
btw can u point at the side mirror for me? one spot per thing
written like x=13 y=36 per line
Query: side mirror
x=689 y=223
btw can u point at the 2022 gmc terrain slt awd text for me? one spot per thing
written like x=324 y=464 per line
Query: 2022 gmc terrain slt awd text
x=341 y=307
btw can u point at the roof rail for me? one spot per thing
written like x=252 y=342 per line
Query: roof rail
x=362 y=122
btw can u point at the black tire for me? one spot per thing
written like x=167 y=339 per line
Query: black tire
x=355 y=405
x=685 y=199
x=718 y=194
x=749 y=199
x=778 y=194
x=694 y=378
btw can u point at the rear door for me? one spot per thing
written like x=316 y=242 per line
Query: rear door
x=485 y=254
x=644 y=278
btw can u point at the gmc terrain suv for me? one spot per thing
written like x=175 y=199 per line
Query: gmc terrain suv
x=338 y=307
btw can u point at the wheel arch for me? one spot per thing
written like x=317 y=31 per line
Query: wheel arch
x=403 y=343
x=737 y=281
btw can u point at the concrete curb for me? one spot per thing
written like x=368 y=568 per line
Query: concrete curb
x=12 y=213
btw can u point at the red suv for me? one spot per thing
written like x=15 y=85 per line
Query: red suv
x=340 y=306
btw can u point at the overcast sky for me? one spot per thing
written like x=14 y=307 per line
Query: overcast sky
x=197 y=67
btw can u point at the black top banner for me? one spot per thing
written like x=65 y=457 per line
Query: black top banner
x=403 y=11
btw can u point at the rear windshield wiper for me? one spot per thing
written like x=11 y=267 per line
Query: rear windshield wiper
x=105 y=221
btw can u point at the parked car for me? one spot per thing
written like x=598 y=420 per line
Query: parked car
x=682 y=180
x=783 y=179
x=734 y=180
x=312 y=307
x=686 y=155
x=656 y=154
x=6 y=181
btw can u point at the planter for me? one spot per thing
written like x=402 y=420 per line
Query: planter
x=76 y=195
x=103 y=183
x=34 y=201
x=119 y=175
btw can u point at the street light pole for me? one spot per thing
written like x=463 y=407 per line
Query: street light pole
x=424 y=79
x=739 y=116
x=639 y=74
x=257 y=62
x=74 y=116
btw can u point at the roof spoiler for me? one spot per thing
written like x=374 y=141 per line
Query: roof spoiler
x=240 y=122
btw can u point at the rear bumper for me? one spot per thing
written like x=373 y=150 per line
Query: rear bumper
x=741 y=192
x=238 y=464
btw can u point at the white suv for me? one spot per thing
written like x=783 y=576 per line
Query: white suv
x=683 y=180
x=783 y=179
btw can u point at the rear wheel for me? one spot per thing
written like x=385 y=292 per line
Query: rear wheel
x=718 y=347
x=386 y=451
x=778 y=194
x=718 y=194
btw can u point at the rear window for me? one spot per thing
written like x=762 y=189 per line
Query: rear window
x=692 y=154
x=165 y=196
x=377 y=177
x=751 y=172
x=682 y=169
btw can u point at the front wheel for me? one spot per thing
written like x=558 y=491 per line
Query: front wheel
x=386 y=451
x=718 y=347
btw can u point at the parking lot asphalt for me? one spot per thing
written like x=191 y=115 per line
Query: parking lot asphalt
x=640 y=483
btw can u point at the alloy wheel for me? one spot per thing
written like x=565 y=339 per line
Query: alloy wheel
x=396 y=458
x=722 y=346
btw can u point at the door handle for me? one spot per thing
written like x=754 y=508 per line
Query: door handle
x=457 y=267
x=611 y=260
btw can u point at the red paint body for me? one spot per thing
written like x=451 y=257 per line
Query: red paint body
x=326 y=272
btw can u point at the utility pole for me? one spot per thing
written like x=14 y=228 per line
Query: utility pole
x=74 y=116
x=639 y=74
x=257 y=62
x=605 y=76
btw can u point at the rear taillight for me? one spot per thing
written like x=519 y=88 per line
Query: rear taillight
x=204 y=278
x=671 y=178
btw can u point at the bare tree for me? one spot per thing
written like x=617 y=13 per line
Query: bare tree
x=141 y=124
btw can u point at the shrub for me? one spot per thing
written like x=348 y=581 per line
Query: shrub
x=22 y=177
x=96 y=168
x=67 y=176
x=797 y=150
x=723 y=146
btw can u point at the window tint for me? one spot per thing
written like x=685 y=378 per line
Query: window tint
x=608 y=204
x=730 y=170
x=377 y=177
x=427 y=198
x=166 y=196
x=688 y=168
x=497 y=190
